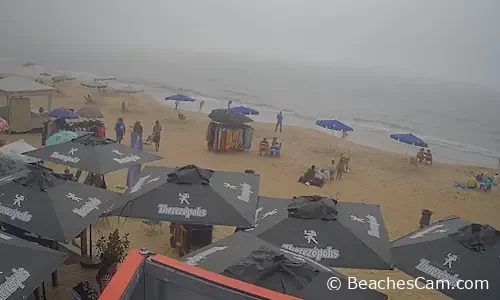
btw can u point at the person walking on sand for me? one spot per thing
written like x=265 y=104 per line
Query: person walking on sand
x=279 y=122
x=229 y=104
x=340 y=169
x=333 y=170
x=120 y=130
x=157 y=135
x=176 y=104
x=201 y=105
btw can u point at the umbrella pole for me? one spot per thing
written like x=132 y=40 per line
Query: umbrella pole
x=90 y=241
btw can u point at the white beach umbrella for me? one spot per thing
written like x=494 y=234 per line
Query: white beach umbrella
x=94 y=84
x=129 y=90
x=62 y=78
x=104 y=78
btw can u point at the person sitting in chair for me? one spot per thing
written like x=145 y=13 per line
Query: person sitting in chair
x=421 y=155
x=428 y=157
x=263 y=146
x=275 y=147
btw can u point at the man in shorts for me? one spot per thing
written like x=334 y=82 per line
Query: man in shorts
x=156 y=135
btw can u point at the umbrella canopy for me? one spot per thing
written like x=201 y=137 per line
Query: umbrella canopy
x=60 y=137
x=90 y=112
x=10 y=168
x=335 y=234
x=243 y=110
x=455 y=251
x=334 y=124
x=192 y=195
x=410 y=139
x=63 y=113
x=4 y=125
x=14 y=150
x=94 y=84
x=249 y=259
x=37 y=201
x=24 y=266
x=62 y=78
x=94 y=154
x=129 y=90
x=230 y=118
x=180 y=97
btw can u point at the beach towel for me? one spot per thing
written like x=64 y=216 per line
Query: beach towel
x=458 y=185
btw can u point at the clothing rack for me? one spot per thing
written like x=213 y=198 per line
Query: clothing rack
x=222 y=137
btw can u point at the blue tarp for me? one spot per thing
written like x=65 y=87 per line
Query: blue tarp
x=409 y=139
x=180 y=97
x=334 y=124
x=243 y=110
x=63 y=113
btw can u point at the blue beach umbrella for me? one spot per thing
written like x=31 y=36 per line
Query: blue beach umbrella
x=60 y=137
x=334 y=125
x=63 y=113
x=180 y=97
x=243 y=110
x=409 y=139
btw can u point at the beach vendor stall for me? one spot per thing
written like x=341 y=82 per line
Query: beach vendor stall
x=228 y=130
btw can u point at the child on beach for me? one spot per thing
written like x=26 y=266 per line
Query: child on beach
x=332 y=170
x=340 y=169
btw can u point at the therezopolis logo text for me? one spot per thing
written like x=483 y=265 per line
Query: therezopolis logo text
x=127 y=159
x=314 y=253
x=185 y=212
x=194 y=260
x=88 y=207
x=65 y=158
x=14 y=213
x=426 y=267
x=13 y=283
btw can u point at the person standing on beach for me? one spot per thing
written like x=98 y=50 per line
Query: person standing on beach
x=340 y=169
x=157 y=135
x=279 y=122
x=229 y=104
x=120 y=130
x=176 y=104
x=201 y=105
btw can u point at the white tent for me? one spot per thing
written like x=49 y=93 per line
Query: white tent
x=14 y=151
x=19 y=87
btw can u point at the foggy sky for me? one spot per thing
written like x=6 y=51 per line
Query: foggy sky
x=457 y=39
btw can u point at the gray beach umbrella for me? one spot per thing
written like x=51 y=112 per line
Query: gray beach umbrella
x=94 y=84
x=192 y=195
x=94 y=154
x=129 y=90
x=90 y=112
x=62 y=78
x=335 y=234
x=45 y=205
x=244 y=257
x=24 y=266
x=455 y=252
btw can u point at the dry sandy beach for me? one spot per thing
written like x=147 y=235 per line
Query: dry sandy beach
x=377 y=177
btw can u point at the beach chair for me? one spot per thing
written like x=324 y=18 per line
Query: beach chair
x=181 y=116
x=275 y=151
x=152 y=224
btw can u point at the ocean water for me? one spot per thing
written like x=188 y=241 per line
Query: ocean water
x=460 y=121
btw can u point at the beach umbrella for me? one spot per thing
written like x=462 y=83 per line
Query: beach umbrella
x=94 y=84
x=129 y=90
x=409 y=139
x=62 y=78
x=335 y=234
x=13 y=150
x=45 y=205
x=93 y=154
x=90 y=112
x=229 y=118
x=252 y=260
x=456 y=252
x=63 y=113
x=243 y=110
x=192 y=195
x=24 y=266
x=59 y=137
x=104 y=78
x=180 y=98
x=4 y=125
x=334 y=125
